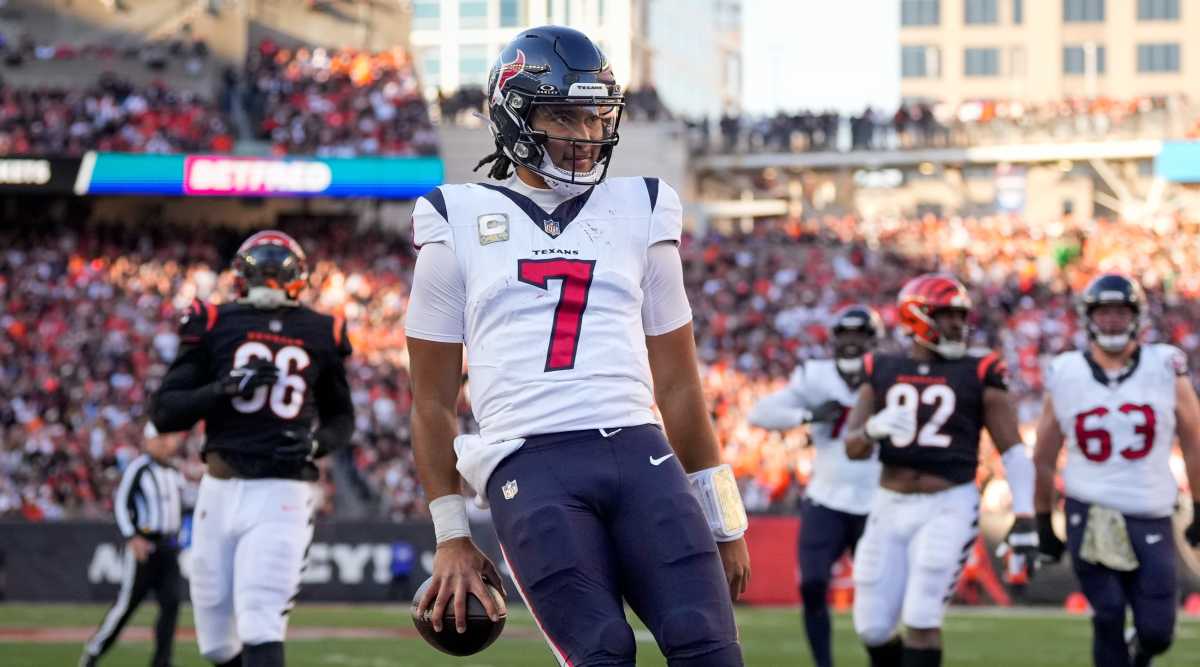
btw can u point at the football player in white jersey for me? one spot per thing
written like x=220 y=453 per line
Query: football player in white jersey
x=821 y=393
x=1118 y=406
x=567 y=290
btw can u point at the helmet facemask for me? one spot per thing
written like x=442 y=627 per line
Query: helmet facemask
x=1110 y=334
x=271 y=270
x=567 y=141
x=948 y=344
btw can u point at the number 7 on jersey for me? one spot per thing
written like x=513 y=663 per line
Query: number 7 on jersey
x=576 y=276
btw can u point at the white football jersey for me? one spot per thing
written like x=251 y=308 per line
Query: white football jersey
x=836 y=482
x=553 y=324
x=1119 y=432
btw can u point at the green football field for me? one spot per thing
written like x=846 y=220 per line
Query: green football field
x=382 y=636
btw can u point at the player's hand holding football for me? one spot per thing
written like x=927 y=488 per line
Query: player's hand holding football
x=458 y=568
x=1192 y=534
x=735 y=557
x=894 y=421
x=243 y=380
x=1049 y=546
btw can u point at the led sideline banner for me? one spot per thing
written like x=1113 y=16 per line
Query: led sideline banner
x=34 y=174
x=241 y=176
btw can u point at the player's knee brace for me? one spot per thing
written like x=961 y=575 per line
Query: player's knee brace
x=268 y=654
x=815 y=594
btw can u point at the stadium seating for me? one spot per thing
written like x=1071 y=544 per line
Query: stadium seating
x=760 y=300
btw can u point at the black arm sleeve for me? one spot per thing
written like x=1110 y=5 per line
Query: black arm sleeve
x=334 y=407
x=187 y=393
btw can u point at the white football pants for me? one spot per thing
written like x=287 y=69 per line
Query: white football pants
x=909 y=559
x=249 y=538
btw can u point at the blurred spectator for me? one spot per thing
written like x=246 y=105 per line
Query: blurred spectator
x=109 y=115
x=87 y=326
x=337 y=103
x=928 y=125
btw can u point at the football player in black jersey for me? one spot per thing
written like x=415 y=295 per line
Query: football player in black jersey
x=263 y=372
x=923 y=413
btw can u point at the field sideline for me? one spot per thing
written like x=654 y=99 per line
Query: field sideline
x=382 y=636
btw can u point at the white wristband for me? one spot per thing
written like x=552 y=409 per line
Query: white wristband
x=717 y=492
x=1019 y=470
x=449 y=514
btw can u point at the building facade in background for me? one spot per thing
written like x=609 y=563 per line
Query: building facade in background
x=696 y=55
x=689 y=50
x=1047 y=50
x=455 y=42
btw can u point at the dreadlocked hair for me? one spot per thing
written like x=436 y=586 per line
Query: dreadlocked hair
x=501 y=168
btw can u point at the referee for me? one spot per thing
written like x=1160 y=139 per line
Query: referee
x=148 y=510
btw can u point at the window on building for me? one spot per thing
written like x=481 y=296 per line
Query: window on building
x=920 y=12
x=1158 y=57
x=431 y=66
x=1158 y=10
x=980 y=12
x=473 y=65
x=981 y=62
x=427 y=15
x=1018 y=12
x=567 y=12
x=919 y=62
x=1083 y=11
x=511 y=12
x=472 y=13
x=600 y=12
x=1075 y=60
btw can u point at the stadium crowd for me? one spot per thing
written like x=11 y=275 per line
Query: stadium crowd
x=337 y=103
x=110 y=114
x=940 y=125
x=87 y=321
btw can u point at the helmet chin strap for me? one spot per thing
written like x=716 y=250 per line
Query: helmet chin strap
x=267 y=298
x=564 y=186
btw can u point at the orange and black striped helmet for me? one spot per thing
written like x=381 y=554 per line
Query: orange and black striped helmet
x=920 y=299
x=271 y=259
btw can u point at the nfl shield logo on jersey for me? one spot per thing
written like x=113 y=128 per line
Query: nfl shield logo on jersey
x=493 y=227
x=552 y=228
x=509 y=489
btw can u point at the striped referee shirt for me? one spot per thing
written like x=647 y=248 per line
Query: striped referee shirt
x=148 y=500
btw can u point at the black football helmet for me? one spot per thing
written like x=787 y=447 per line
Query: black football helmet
x=855 y=331
x=1112 y=289
x=551 y=70
x=270 y=267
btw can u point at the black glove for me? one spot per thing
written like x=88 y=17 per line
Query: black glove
x=242 y=381
x=300 y=447
x=1192 y=534
x=1023 y=539
x=829 y=411
x=1050 y=547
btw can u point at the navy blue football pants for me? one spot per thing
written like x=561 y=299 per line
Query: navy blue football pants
x=586 y=521
x=825 y=534
x=1150 y=590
